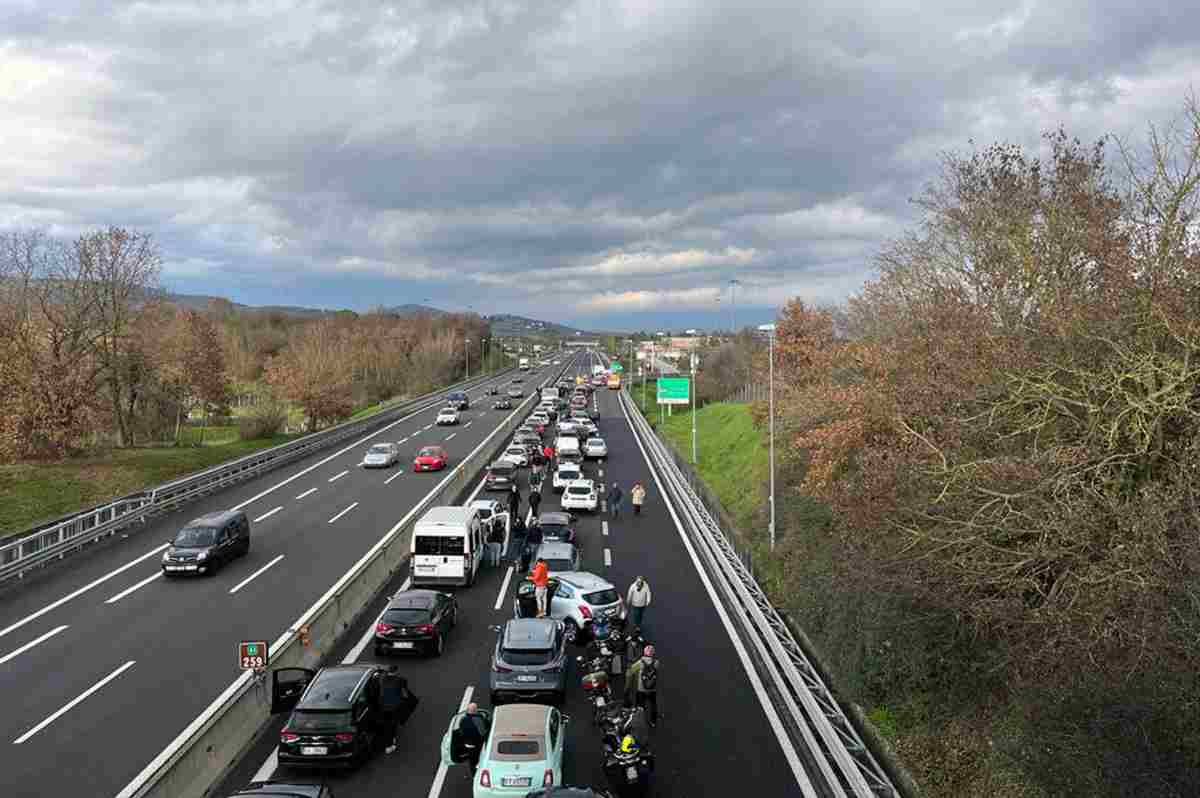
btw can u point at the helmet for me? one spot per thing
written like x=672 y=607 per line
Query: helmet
x=629 y=744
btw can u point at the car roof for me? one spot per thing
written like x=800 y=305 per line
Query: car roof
x=530 y=633
x=584 y=580
x=555 y=517
x=446 y=516
x=333 y=688
x=520 y=720
x=215 y=518
x=413 y=600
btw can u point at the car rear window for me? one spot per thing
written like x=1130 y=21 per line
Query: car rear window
x=595 y=441
x=568 y=473
x=601 y=597
x=429 y=544
x=528 y=656
x=518 y=748
x=579 y=490
x=503 y=468
x=309 y=721
x=405 y=616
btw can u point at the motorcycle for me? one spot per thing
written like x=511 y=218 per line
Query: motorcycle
x=628 y=769
x=595 y=683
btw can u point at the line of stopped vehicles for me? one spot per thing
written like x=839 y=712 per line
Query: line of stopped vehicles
x=341 y=715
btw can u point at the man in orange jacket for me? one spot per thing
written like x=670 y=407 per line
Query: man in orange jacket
x=541 y=578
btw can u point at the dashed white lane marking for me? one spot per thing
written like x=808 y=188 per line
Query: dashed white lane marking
x=504 y=587
x=308 y=492
x=451 y=435
x=428 y=426
x=388 y=481
x=440 y=777
x=137 y=586
x=604 y=528
x=343 y=512
x=74 y=701
x=255 y=575
x=469 y=423
x=336 y=477
x=608 y=557
x=269 y=513
x=32 y=643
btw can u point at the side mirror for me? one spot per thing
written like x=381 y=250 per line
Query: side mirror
x=495 y=628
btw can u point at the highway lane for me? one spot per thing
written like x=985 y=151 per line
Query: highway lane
x=714 y=738
x=181 y=635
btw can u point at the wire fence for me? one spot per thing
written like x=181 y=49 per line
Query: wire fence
x=750 y=393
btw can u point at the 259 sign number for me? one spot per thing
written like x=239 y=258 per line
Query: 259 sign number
x=252 y=655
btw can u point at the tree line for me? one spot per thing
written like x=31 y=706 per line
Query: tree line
x=1004 y=425
x=94 y=353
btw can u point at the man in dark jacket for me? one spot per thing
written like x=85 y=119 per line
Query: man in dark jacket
x=472 y=730
x=514 y=501
x=641 y=684
x=398 y=703
x=615 y=497
x=535 y=501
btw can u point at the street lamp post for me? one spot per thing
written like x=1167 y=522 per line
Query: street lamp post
x=467 y=350
x=692 y=391
x=770 y=328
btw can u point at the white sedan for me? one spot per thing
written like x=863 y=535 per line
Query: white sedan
x=580 y=494
x=516 y=455
x=447 y=415
x=595 y=447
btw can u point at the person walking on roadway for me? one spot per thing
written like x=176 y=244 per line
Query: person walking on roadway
x=637 y=495
x=641 y=684
x=615 y=497
x=535 y=501
x=638 y=599
x=514 y=503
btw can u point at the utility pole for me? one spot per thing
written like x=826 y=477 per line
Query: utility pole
x=770 y=328
x=692 y=391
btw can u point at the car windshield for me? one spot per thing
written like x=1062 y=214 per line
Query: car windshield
x=565 y=474
x=310 y=721
x=579 y=490
x=428 y=451
x=404 y=616
x=606 y=596
x=196 y=536
x=381 y=448
x=528 y=656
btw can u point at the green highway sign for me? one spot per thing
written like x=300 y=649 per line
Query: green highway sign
x=673 y=390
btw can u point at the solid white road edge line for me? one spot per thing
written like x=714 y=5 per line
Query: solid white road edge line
x=336 y=477
x=308 y=492
x=94 y=583
x=388 y=481
x=764 y=700
x=608 y=557
x=32 y=643
x=439 y=778
x=343 y=512
x=269 y=513
x=74 y=701
x=254 y=575
x=132 y=588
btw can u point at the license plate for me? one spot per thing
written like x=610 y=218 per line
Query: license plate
x=314 y=750
x=527 y=678
x=632 y=773
x=181 y=567
x=426 y=567
x=517 y=781
x=402 y=645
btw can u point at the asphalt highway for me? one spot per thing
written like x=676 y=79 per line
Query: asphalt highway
x=103 y=662
x=713 y=738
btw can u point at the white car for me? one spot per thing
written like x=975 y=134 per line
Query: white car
x=587 y=425
x=382 y=455
x=447 y=415
x=566 y=473
x=516 y=455
x=540 y=418
x=566 y=427
x=580 y=494
x=580 y=598
x=595 y=447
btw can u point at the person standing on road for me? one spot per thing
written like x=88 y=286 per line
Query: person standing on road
x=641 y=684
x=637 y=495
x=615 y=497
x=638 y=599
x=514 y=503
x=472 y=730
x=399 y=703
x=540 y=579
x=535 y=501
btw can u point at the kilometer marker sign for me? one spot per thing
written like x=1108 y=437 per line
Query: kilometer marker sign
x=252 y=655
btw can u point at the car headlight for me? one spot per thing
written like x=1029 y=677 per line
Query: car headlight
x=166 y=556
x=203 y=556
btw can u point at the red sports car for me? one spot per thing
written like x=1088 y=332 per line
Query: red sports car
x=431 y=458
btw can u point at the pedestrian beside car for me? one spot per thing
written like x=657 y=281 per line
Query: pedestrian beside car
x=401 y=702
x=641 y=684
x=637 y=495
x=541 y=581
x=615 y=497
x=535 y=501
x=638 y=599
x=473 y=731
x=514 y=502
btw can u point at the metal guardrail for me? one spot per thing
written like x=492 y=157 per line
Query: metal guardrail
x=840 y=763
x=56 y=540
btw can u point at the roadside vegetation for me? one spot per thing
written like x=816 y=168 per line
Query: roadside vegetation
x=986 y=483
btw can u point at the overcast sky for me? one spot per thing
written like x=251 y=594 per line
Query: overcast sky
x=602 y=164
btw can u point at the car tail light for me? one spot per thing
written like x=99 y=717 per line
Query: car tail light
x=502 y=668
x=286 y=736
x=485 y=779
x=383 y=628
x=548 y=779
x=425 y=629
x=585 y=611
x=344 y=737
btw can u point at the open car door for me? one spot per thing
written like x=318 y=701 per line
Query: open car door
x=395 y=697
x=454 y=752
x=287 y=685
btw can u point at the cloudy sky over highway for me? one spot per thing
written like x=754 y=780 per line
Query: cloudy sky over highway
x=602 y=163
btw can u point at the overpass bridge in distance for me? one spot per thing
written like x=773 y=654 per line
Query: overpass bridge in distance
x=575 y=342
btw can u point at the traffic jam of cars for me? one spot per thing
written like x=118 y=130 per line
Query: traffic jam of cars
x=339 y=715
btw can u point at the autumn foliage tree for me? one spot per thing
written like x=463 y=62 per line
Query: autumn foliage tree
x=315 y=371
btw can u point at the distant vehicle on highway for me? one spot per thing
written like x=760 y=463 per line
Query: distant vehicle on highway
x=517 y=455
x=566 y=473
x=515 y=392
x=382 y=455
x=503 y=403
x=459 y=400
x=431 y=458
x=529 y=662
x=207 y=543
x=595 y=447
x=416 y=620
x=580 y=494
x=447 y=416
x=501 y=475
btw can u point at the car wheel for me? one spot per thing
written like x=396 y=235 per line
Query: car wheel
x=439 y=645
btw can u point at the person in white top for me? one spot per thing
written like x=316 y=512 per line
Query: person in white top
x=638 y=599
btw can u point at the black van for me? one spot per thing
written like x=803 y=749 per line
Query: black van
x=207 y=543
x=459 y=400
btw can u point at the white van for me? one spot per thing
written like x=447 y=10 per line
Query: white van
x=566 y=449
x=449 y=545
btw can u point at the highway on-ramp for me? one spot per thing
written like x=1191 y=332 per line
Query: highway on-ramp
x=714 y=738
x=103 y=661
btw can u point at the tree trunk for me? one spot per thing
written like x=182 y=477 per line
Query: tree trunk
x=178 y=421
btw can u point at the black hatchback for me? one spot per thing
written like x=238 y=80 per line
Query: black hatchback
x=416 y=620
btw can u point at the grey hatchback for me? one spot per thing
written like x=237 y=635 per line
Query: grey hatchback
x=530 y=661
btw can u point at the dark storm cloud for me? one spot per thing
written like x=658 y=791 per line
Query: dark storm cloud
x=573 y=160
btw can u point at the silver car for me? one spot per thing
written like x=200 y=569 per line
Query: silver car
x=529 y=662
x=595 y=447
x=382 y=455
x=559 y=556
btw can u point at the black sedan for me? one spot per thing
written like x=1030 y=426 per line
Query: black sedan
x=416 y=620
